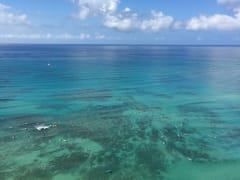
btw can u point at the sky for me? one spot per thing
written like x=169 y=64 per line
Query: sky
x=120 y=21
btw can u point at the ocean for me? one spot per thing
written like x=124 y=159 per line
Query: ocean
x=119 y=112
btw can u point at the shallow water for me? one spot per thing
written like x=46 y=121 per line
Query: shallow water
x=119 y=112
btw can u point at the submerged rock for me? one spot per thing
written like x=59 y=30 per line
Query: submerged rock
x=109 y=171
x=42 y=127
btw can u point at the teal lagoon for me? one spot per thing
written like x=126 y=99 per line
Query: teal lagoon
x=81 y=112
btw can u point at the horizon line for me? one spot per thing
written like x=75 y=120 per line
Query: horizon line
x=118 y=44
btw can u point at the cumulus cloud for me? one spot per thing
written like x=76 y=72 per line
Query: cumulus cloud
x=95 y=7
x=218 y=21
x=128 y=20
x=124 y=21
x=9 y=18
x=158 y=21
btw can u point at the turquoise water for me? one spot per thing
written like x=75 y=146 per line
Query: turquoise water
x=119 y=112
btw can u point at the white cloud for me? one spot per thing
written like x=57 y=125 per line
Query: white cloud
x=99 y=36
x=157 y=22
x=47 y=36
x=229 y=2
x=217 y=21
x=127 y=20
x=119 y=23
x=95 y=7
x=127 y=9
x=24 y=36
x=9 y=18
x=3 y=7
x=232 y=4
x=178 y=25
x=84 y=36
x=124 y=21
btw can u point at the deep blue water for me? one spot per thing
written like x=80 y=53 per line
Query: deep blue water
x=119 y=112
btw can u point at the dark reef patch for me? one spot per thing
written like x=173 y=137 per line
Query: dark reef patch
x=85 y=95
x=172 y=133
x=3 y=100
x=97 y=173
x=7 y=139
x=154 y=135
x=152 y=158
x=67 y=162
x=197 y=155
x=53 y=107
x=28 y=173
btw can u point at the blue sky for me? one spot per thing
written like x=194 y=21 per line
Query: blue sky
x=120 y=21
